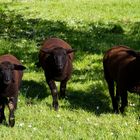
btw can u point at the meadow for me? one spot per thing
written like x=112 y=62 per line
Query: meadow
x=91 y=27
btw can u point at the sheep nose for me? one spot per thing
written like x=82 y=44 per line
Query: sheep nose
x=7 y=82
x=60 y=67
x=7 y=79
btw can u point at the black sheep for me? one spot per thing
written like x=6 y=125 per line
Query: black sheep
x=10 y=78
x=122 y=65
x=56 y=58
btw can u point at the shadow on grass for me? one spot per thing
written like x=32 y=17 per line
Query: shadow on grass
x=94 y=100
x=97 y=102
x=34 y=90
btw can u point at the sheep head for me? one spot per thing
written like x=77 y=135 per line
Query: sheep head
x=58 y=55
x=134 y=54
x=6 y=71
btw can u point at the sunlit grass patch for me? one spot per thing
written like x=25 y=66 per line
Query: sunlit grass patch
x=90 y=27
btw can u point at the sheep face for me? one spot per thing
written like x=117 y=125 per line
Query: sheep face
x=58 y=56
x=7 y=72
x=59 y=59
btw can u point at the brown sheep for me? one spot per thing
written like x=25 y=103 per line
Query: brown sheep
x=122 y=65
x=10 y=78
x=56 y=58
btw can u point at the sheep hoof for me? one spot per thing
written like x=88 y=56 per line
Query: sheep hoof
x=122 y=109
x=61 y=96
x=2 y=119
x=11 y=122
x=116 y=111
x=55 y=106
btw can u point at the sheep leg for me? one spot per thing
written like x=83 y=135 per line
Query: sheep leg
x=54 y=93
x=122 y=92
x=117 y=98
x=124 y=101
x=62 y=89
x=12 y=103
x=111 y=91
x=110 y=83
x=2 y=106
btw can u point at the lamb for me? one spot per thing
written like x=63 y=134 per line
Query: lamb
x=56 y=58
x=122 y=65
x=11 y=72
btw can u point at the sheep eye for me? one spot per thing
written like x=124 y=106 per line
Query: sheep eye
x=64 y=53
x=1 y=73
x=54 y=57
x=10 y=67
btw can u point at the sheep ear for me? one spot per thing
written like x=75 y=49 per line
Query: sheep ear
x=47 y=50
x=133 y=53
x=70 y=50
x=19 y=67
x=138 y=55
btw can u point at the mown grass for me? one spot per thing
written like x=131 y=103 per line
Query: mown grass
x=91 y=27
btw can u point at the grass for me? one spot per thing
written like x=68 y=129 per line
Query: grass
x=91 y=27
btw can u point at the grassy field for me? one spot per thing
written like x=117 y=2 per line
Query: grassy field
x=91 y=27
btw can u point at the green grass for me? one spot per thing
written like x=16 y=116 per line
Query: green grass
x=91 y=27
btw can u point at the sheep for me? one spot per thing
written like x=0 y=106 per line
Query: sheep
x=11 y=72
x=122 y=65
x=55 y=57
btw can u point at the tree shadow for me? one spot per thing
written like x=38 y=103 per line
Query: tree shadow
x=95 y=38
